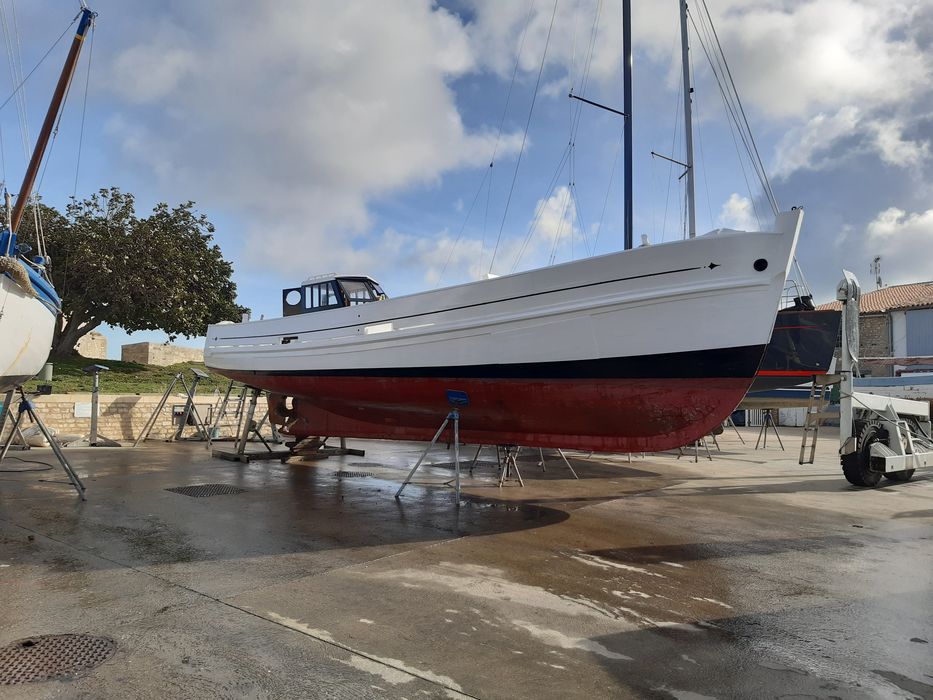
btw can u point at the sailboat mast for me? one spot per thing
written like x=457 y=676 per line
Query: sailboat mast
x=22 y=199
x=627 y=108
x=688 y=123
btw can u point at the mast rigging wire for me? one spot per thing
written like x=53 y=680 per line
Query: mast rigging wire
x=486 y=173
x=87 y=83
x=568 y=152
x=612 y=172
x=709 y=40
x=518 y=161
x=733 y=122
x=19 y=86
x=505 y=110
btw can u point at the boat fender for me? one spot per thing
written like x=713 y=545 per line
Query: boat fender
x=17 y=272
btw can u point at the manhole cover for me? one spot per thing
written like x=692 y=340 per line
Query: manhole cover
x=349 y=475
x=204 y=490
x=52 y=656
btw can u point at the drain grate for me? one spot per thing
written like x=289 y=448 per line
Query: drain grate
x=464 y=466
x=350 y=475
x=205 y=490
x=52 y=656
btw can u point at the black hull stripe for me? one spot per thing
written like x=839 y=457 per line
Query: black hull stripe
x=738 y=362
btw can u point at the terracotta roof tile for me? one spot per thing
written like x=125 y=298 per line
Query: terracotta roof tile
x=901 y=296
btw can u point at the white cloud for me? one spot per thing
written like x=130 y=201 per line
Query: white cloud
x=818 y=144
x=903 y=240
x=789 y=57
x=738 y=213
x=893 y=148
x=551 y=234
x=295 y=132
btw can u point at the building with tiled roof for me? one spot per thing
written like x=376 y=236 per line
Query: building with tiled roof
x=918 y=295
x=895 y=322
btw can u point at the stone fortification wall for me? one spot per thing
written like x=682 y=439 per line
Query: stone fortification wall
x=160 y=354
x=121 y=417
x=93 y=345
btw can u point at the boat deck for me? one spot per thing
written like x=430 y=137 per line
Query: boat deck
x=747 y=576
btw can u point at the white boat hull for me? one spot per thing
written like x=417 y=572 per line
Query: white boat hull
x=26 y=329
x=597 y=353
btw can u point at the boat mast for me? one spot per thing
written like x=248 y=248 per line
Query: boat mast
x=22 y=199
x=627 y=108
x=688 y=123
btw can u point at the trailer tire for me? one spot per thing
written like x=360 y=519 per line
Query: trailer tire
x=855 y=466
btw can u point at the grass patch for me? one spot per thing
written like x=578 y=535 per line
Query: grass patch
x=124 y=377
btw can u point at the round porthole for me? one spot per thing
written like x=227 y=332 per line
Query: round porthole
x=294 y=296
x=761 y=265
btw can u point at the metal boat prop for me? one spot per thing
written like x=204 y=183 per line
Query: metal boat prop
x=29 y=305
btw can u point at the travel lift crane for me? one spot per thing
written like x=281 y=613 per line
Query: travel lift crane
x=878 y=435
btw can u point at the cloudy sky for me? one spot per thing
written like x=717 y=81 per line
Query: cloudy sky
x=357 y=136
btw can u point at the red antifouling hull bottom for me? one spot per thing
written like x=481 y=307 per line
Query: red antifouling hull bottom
x=607 y=415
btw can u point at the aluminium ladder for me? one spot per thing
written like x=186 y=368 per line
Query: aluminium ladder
x=820 y=391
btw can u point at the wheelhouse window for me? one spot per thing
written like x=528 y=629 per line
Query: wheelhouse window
x=321 y=296
x=358 y=291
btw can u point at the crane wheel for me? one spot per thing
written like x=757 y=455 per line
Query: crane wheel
x=855 y=466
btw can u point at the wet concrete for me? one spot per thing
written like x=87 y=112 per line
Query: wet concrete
x=748 y=576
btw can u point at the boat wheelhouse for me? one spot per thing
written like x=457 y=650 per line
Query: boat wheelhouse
x=330 y=291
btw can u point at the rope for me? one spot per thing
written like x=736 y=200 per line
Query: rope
x=17 y=272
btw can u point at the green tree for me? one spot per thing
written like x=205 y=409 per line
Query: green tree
x=161 y=272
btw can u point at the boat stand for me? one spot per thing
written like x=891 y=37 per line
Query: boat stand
x=94 y=438
x=190 y=409
x=768 y=424
x=696 y=449
x=452 y=417
x=234 y=404
x=5 y=412
x=28 y=408
x=731 y=422
x=247 y=428
x=543 y=464
x=509 y=469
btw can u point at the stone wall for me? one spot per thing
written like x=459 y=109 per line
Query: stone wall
x=121 y=417
x=92 y=345
x=161 y=354
x=875 y=340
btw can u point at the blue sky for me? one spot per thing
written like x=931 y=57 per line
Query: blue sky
x=354 y=136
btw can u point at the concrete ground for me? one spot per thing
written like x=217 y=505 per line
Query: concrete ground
x=748 y=576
